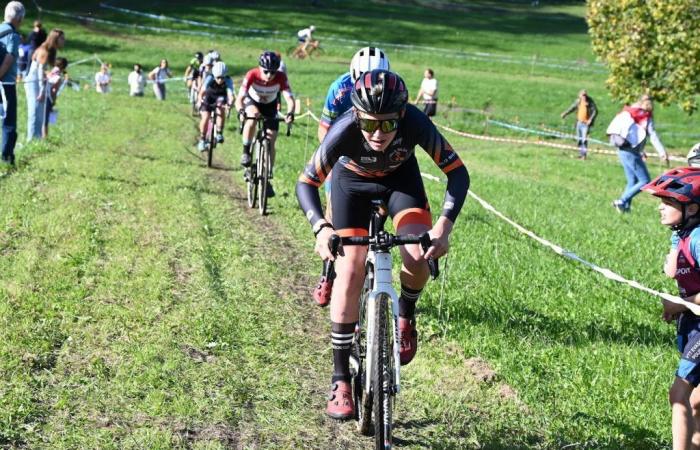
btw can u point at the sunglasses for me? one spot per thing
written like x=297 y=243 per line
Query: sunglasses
x=372 y=125
x=268 y=72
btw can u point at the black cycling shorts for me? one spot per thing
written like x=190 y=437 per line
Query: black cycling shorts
x=401 y=191
x=209 y=102
x=267 y=110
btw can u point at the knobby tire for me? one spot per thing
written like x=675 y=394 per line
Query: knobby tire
x=363 y=403
x=211 y=141
x=263 y=176
x=382 y=375
x=253 y=177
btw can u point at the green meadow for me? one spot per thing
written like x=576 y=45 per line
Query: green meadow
x=143 y=305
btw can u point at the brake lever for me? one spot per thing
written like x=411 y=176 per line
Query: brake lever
x=426 y=243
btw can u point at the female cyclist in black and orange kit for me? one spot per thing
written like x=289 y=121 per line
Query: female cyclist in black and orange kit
x=371 y=152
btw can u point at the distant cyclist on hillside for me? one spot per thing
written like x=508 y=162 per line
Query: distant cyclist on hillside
x=305 y=40
x=258 y=95
x=371 y=149
x=217 y=92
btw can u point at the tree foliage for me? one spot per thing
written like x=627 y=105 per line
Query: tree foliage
x=649 y=46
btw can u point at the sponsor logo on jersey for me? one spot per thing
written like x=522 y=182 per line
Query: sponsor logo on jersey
x=368 y=159
x=398 y=154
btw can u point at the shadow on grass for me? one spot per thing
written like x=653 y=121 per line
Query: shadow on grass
x=519 y=322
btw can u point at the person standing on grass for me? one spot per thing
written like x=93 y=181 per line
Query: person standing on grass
x=35 y=39
x=35 y=83
x=9 y=38
x=158 y=76
x=428 y=92
x=679 y=191
x=103 y=80
x=629 y=132
x=586 y=112
x=137 y=82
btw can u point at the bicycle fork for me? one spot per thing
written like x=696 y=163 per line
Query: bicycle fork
x=383 y=286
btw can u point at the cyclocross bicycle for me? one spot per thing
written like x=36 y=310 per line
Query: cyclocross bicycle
x=313 y=50
x=259 y=174
x=374 y=361
x=210 y=135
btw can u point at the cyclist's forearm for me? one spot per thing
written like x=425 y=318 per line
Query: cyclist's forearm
x=310 y=202
x=290 y=103
x=456 y=193
x=444 y=225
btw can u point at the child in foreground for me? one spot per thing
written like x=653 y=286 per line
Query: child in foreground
x=679 y=191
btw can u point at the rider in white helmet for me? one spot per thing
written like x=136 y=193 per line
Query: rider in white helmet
x=217 y=94
x=338 y=96
x=694 y=156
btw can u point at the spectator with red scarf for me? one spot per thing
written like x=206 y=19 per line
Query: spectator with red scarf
x=629 y=132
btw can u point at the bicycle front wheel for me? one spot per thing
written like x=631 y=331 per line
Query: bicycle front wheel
x=383 y=374
x=252 y=178
x=263 y=176
x=318 y=51
x=211 y=142
x=363 y=401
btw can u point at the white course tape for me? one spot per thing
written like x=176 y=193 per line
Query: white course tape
x=185 y=21
x=607 y=273
x=555 y=134
x=538 y=143
x=479 y=56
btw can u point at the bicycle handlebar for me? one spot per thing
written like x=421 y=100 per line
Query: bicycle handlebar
x=386 y=241
x=243 y=118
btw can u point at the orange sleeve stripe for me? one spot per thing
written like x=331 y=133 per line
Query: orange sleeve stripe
x=453 y=166
x=304 y=179
x=413 y=216
x=436 y=152
x=348 y=232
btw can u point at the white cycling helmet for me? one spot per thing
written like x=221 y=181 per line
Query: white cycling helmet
x=215 y=55
x=312 y=28
x=694 y=156
x=219 y=69
x=208 y=60
x=366 y=59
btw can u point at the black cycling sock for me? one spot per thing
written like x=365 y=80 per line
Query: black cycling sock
x=246 y=149
x=341 y=341
x=407 y=301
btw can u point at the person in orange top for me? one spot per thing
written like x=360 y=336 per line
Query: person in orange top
x=586 y=112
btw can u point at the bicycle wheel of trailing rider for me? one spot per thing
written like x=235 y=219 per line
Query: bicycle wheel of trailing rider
x=263 y=175
x=363 y=401
x=382 y=373
x=211 y=140
x=252 y=179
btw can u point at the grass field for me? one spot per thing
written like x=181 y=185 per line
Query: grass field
x=143 y=305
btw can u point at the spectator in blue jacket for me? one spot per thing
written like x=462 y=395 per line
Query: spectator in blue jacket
x=9 y=37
